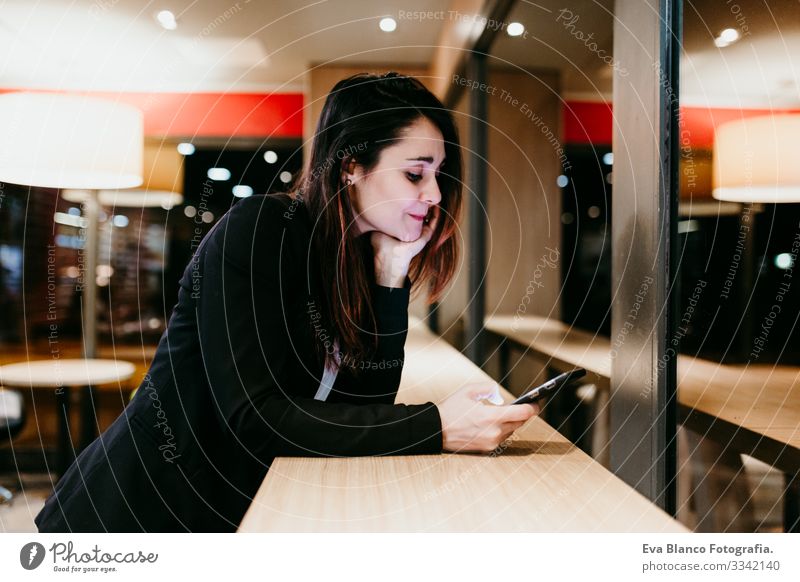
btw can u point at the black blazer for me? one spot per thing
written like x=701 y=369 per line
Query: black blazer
x=232 y=386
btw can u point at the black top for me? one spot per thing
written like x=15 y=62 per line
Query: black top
x=232 y=386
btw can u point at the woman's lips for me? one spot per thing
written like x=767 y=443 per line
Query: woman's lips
x=419 y=217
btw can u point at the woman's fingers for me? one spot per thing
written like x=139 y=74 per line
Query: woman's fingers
x=515 y=413
x=510 y=427
x=430 y=225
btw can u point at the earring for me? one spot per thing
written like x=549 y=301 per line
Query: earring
x=348 y=182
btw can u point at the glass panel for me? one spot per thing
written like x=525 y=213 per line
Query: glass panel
x=737 y=329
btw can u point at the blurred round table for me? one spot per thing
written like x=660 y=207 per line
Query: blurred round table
x=61 y=375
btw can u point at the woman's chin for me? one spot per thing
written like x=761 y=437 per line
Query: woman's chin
x=410 y=235
x=404 y=232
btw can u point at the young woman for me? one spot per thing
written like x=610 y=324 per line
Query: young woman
x=288 y=334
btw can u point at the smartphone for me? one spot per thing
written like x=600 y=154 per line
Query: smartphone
x=540 y=391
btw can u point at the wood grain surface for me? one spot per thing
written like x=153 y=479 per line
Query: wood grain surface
x=537 y=482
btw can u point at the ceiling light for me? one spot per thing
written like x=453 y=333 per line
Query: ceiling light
x=687 y=226
x=219 y=174
x=726 y=37
x=105 y=270
x=285 y=177
x=784 y=261
x=515 y=29
x=729 y=35
x=185 y=149
x=120 y=220
x=69 y=220
x=242 y=191
x=128 y=198
x=387 y=24
x=89 y=143
x=167 y=20
x=755 y=160
x=270 y=157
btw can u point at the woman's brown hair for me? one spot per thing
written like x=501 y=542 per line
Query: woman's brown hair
x=362 y=115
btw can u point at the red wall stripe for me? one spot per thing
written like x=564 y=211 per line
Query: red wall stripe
x=588 y=122
x=216 y=114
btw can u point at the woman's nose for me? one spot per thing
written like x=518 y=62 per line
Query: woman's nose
x=431 y=194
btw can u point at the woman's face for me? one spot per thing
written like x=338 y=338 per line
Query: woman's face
x=395 y=196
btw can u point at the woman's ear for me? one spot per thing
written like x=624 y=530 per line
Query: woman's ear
x=348 y=170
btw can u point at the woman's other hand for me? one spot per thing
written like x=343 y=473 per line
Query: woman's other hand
x=393 y=256
x=468 y=425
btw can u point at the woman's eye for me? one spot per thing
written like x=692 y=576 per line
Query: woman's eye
x=414 y=177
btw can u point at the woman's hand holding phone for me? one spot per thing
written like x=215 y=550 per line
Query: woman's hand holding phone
x=468 y=425
x=393 y=256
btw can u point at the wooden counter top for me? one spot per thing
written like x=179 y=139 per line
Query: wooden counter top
x=758 y=405
x=541 y=482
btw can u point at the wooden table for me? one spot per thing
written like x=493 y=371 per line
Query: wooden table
x=61 y=375
x=563 y=348
x=541 y=482
x=753 y=410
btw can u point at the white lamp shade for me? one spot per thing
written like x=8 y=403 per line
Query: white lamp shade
x=757 y=160
x=65 y=141
x=128 y=198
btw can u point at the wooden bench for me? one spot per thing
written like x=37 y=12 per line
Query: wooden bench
x=540 y=482
x=749 y=410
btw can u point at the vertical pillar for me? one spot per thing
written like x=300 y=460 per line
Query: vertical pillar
x=473 y=334
x=643 y=381
x=91 y=212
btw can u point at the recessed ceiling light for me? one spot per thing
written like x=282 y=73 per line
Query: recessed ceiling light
x=387 y=24
x=270 y=157
x=285 y=177
x=729 y=35
x=219 y=174
x=608 y=159
x=726 y=37
x=242 y=191
x=185 y=149
x=120 y=220
x=784 y=261
x=167 y=20
x=562 y=181
x=515 y=29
